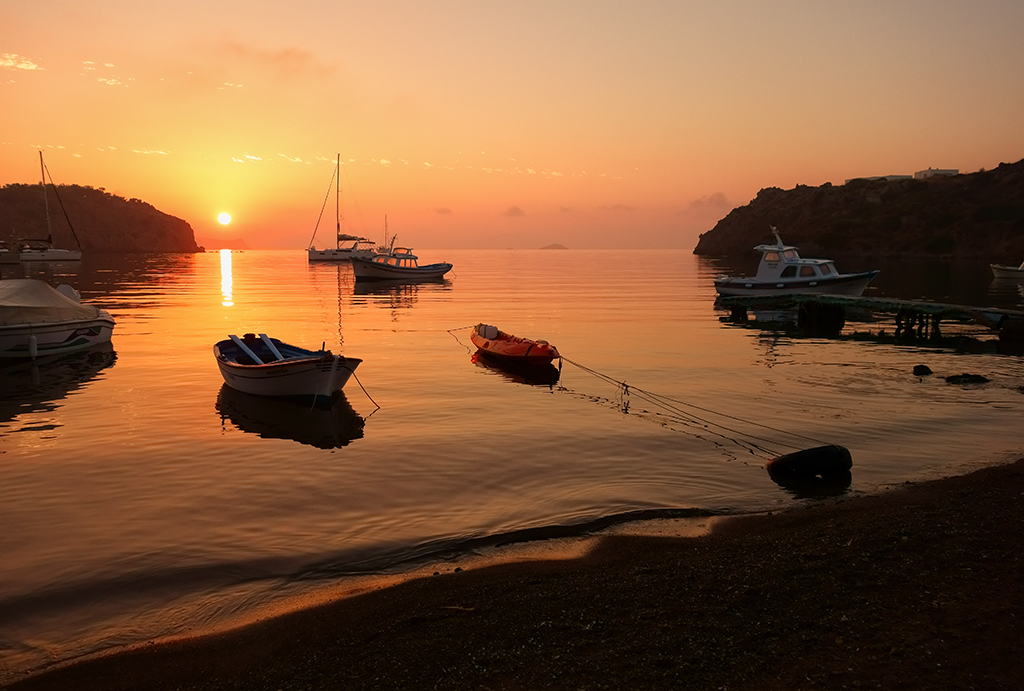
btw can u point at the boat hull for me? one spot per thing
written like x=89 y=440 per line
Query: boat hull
x=337 y=255
x=50 y=255
x=843 y=284
x=507 y=349
x=312 y=376
x=1000 y=271
x=376 y=271
x=24 y=341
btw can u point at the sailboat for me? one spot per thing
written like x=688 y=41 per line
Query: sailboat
x=43 y=250
x=354 y=245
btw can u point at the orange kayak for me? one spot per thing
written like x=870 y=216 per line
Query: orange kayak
x=503 y=346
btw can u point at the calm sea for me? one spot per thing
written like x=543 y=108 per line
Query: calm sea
x=141 y=499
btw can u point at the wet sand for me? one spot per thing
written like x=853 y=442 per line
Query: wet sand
x=917 y=588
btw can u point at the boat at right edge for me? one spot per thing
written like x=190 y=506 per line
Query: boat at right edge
x=782 y=271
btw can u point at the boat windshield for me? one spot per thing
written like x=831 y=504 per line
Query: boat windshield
x=790 y=254
x=827 y=268
x=771 y=256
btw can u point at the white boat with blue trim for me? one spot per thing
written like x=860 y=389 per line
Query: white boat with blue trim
x=782 y=271
x=396 y=263
x=37 y=319
x=265 y=366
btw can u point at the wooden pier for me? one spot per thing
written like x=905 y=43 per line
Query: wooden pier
x=828 y=312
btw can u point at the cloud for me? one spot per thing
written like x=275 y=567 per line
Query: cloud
x=620 y=207
x=565 y=209
x=711 y=203
x=149 y=151
x=285 y=62
x=289 y=158
x=443 y=211
x=13 y=61
x=513 y=212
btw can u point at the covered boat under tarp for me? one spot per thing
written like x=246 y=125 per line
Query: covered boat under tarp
x=37 y=319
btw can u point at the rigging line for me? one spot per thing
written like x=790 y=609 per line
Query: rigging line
x=56 y=194
x=324 y=206
x=696 y=407
x=355 y=202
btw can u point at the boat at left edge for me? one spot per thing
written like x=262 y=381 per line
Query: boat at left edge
x=265 y=366
x=37 y=319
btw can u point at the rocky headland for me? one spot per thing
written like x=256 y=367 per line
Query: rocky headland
x=972 y=216
x=99 y=221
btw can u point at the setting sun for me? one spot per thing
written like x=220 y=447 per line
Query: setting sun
x=224 y=218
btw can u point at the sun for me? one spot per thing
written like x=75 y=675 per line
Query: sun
x=224 y=218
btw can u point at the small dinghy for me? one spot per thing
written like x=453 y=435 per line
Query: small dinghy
x=265 y=366
x=1002 y=271
x=508 y=348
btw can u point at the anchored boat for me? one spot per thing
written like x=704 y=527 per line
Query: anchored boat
x=783 y=271
x=265 y=366
x=396 y=263
x=508 y=348
x=1002 y=271
x=37 y=319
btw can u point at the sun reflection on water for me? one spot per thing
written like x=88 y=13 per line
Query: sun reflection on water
x=225 y=277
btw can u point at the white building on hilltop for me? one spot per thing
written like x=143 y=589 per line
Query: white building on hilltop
x=932 y=172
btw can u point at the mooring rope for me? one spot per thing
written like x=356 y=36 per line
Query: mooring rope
x=675 y=408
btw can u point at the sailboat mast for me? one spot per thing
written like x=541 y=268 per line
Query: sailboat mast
x=46 y=202
x=337 y=203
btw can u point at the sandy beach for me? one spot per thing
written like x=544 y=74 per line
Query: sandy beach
x=917 y=588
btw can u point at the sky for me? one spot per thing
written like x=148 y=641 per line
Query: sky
x=498 y=123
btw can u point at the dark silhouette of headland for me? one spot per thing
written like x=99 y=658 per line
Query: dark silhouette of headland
x=972 y=216
x=102 y=222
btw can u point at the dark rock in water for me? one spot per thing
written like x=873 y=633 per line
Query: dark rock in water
x=922 y=370
x=966 y=378
x=1012 y=331
x=822 y=461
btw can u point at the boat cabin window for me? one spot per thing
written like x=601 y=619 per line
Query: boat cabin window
x=790 y=254
x=788 y=272
x=771 y=256
x=808 y=271
x=827 y=269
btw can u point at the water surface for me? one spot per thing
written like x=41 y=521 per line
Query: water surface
x=142 y=499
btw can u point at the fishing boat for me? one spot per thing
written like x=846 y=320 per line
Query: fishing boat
x=43 y=250
x=265 y=366
x=390 y=263
x=37 y=319
x=783 y=272
x=1001 y=271
x=505 y=347
x=354 y=245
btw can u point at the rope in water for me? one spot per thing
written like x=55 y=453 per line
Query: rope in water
x=675 y=407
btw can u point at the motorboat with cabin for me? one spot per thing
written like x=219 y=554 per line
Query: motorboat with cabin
x=782 y=271
x=396 y=263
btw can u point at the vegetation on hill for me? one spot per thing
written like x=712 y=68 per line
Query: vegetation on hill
x=101 y=222
x=973 y=216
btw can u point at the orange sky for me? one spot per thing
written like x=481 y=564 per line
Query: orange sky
x=499 y=123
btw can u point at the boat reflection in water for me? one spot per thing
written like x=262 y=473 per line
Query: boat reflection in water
x=31 y=385
x=520 y=373
x=813 y=486
x=273 y=418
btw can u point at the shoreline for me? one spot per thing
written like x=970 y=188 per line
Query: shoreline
x=917 y=587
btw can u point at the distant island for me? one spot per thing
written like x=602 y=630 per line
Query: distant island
x=223 y=243
x=101 y=222
x=972 y=216
x=554 y=246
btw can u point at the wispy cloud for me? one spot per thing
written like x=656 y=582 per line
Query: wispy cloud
x=149 y=151
x=443 y=211
x=284 y=62
x=711 y=203
x=289 y=158
x=513 y=212
x=13 y=61
x=620 y=207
